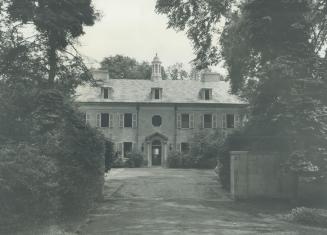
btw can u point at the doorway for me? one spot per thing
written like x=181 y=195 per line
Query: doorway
x=156 y=153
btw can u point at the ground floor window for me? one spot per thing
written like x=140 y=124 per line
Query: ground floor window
x=128 y=147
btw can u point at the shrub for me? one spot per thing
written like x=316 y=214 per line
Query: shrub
x=308 y=216
x=28 y=185
x=77 y=148
x=174 y=160
x=109 y=155
x=118 y=163
x=204 y=150
x=134 y=159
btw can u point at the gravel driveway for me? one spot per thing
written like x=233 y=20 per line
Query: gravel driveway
x=168 y=201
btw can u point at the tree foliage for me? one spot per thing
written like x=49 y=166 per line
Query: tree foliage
x=51 y=163
x=124 y=67
x=273 y=51
x=57 y=23
x=177 y=72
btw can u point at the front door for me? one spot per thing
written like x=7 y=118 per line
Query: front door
x=156 y=153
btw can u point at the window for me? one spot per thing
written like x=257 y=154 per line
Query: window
x=104 y=119
x=156 y=120
x=86 y=118
x=106 y=93
x=157 y=94
x=185 y=147
x=128 y=147
x=207 y=94
x=230 y=121
x=185 y=121
x=207 y=121
x=128 y=120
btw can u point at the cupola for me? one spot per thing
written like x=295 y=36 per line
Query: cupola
x=156 y=69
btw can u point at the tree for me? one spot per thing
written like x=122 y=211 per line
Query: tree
x=273 y=53
x=124 y=67
x=58 y=23
x=48 y=155
x=177 y=72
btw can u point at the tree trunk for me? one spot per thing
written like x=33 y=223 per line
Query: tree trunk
x=52 y=60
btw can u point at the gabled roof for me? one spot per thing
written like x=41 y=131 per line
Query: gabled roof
x=156 y=135
x=173 y=91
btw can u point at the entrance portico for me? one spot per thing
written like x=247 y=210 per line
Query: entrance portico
x=157 y=150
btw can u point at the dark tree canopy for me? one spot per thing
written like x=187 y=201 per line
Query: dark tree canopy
x=124 y=67
x=273 y=51
x=58 y=23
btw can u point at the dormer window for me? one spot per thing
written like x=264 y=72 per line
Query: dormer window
x=206 y=94
x=156 y=93
x=105 y=92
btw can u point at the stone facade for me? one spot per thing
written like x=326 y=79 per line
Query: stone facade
x=156 y=117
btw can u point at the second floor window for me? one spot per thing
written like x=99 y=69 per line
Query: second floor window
x=185 y=121
x=128 y=120
x=104 y=119
x=230 y=118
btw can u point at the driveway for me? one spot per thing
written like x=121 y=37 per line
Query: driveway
x=167 y=201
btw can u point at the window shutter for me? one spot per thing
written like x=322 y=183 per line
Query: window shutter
x=210 y=94
x=214 y=121
x=237 y=120
x=202 y=121
x=111 y=121
x=224 y=121
x=179 y=121
x=192 y=120
x=134 y=124
x=178 y=148
x=99 y=120
x=87 y=118
x=120 y=120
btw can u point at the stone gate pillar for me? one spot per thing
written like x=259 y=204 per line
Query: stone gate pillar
x=239 y=175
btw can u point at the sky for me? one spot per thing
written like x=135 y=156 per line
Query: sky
x=132 y=28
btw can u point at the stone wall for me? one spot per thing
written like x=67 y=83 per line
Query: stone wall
x=255 y=176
